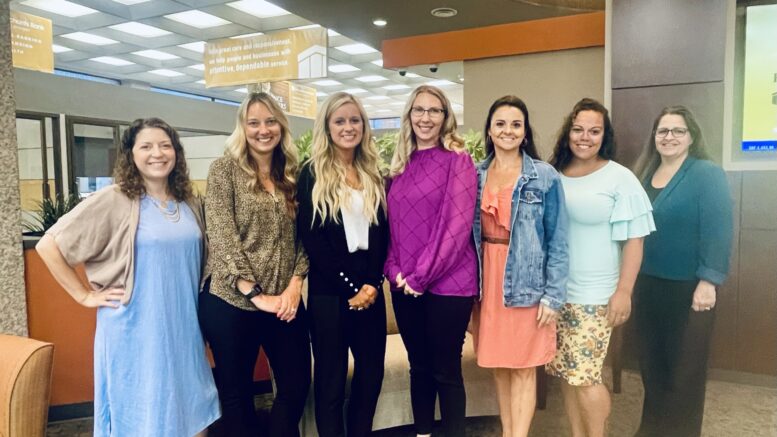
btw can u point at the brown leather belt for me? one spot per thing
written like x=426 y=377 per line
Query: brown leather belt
x=494 y=240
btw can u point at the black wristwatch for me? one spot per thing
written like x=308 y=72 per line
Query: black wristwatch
x=256 y=290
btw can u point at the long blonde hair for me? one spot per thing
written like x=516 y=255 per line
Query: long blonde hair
x=330 y=191
x=283 y=167
x=406 y=143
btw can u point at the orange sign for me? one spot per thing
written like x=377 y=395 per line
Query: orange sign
x=31 y=41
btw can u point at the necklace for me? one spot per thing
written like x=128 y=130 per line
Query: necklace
x=171 y=216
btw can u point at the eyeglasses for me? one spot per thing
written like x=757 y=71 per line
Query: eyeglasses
x=417 y=111
x=677 y=132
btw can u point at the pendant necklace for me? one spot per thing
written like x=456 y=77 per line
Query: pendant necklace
x=171 y=216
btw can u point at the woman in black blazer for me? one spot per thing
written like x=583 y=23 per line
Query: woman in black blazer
x=342 y=224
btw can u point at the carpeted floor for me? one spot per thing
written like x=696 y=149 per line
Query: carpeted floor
x=732 y=410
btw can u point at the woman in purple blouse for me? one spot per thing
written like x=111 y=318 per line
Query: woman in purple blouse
x=431 y=265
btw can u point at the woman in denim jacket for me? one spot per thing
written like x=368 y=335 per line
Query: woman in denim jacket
x=520 y=235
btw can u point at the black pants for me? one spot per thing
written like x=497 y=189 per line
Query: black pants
x=334 y=329
x=433 y=328
x=674 y=344
x=235 y=336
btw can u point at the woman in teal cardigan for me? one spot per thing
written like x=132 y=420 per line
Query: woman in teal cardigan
x=684 y=263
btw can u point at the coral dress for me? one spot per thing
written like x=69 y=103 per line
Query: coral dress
x=505 y=337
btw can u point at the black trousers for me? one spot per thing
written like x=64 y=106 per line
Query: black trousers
x=235 y=336
x=674 y=343
x=334 y=329
x=433 y=328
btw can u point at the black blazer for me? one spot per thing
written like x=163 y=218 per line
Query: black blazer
x=334 y=270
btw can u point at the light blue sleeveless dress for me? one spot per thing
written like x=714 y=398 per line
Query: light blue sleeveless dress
x=151 y=376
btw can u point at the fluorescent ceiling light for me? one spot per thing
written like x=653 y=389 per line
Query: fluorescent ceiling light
x=60 y=7
x=378 y=62
x=342 y=68
x=411 y=74
x=89 y=38
x=332 y=32
x=242 y=90
x=356 y=49
x=110 y=60
x=383 y=110
x=165 y=72
x=397 y=103
x=197 y=19
x=371 y=78
x=130 y=2
x=355 y=90
x=247 y=35
x=197 y=46
x=60 y=49
x=155 y=54
x=321 y=94
x=326 y=82
x=440 y=82
x=377 y=98
x=307 y=26
x=258 y=8
x=201 y=82
x=140 y=29
x=200 y=67
x=398 y=86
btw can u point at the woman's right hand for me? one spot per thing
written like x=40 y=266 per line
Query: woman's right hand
x=110 y=297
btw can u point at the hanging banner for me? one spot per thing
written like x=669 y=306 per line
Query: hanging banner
x=290 y=54
x=31 y=41
x=294 y=99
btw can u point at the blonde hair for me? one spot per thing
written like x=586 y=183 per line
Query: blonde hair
x=283 y=167
x=330 y=191
x=406 y=143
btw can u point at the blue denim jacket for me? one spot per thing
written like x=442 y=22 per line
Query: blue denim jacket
x=537 y=257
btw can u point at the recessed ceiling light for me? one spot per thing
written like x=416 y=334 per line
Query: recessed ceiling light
x=156 y=54
x=200 y=67
x=356 y=49
x=444 y=12
x=371 y=78
x=247 y=35
x=383 y=110
x=377 y=98
x=399 y=86
x=130 y=2
x=197 y=19
x=321 y=94
x=307 y=26
x=258 y=8
x=326 y=82
x=90 y=38
x=410 y=74
x=165 y=72
x=56 y=48
x=378 y=62
x=355 y=91
x=110 y=60
x=60 y=7
x=380 y=22
x=197 y=46
x=242 y=90
x=332 y=32
x=342 y=68
x=440 y=82
x=140 y=29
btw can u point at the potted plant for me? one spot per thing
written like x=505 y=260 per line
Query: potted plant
x=49 y=211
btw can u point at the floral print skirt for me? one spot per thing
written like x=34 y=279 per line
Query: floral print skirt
x=581 y=343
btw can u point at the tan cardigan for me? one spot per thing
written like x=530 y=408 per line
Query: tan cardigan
x=100 y=233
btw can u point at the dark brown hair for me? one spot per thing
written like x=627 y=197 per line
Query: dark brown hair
x=562 y=156
x=126 y=174
x=527 y=145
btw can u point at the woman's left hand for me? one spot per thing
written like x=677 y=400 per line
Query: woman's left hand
x=619 y=308
x=704 y=296
x=409 y=290
x=546 y=316
x=290 y=301
x=364 y=298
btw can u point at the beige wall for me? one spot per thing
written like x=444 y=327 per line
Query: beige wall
x=550 y=84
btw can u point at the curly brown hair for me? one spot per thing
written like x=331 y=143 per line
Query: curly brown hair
x=562 y=155
x=126 y=174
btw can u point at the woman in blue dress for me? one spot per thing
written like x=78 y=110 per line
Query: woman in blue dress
x=141 y=242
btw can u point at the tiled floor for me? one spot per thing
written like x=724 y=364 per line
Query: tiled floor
x=732 y=410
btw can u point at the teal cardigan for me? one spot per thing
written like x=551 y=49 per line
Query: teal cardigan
x=693 y=216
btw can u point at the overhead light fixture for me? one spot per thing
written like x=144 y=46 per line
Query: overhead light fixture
x=247 y=35
x=332 y=32
x=130 y=2
x=258 y=8
x=198 y=19
x=242 y=90
x=398 y=86
x=383 y=110
x=371 y=78
x=166 y=73
x=56 y=48
x=140 y=29
x=201 y=82
x=380 y=22
x=110 y=60
x=378 y=62
x=89 y=38
x=355 y=91
x=321 y=94
x=440 y=82
x=307 y=26
x=326 y=82
x=377 y=98
x=342 y=68
x=200 y=67
x=444 y=12
x=197 y=46
x=413 y=75
x=156 y=54
x=60 y=7
x=356 y=49
x=397 y=103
